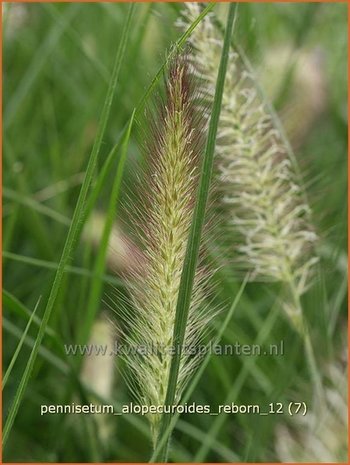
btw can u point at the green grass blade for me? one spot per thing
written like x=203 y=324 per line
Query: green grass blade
x=78 y=215
x=233 y=393
x=100 y=263
x=11 y=303
x=20 y=391
x=35 y=205
x=190 y=262
x=20 y=344
x=54 y=266
x=45 y=353
x=223 y=451
x=204 y=363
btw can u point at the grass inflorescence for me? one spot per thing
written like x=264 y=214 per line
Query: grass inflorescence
x=263 y=201
x=174 y=151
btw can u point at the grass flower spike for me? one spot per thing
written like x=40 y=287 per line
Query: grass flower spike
x=264 y=203
x=173 y=157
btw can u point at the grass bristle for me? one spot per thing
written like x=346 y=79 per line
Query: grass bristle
x=263 y=202
x=174 y=151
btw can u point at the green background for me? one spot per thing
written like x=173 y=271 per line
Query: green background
x=57 y=61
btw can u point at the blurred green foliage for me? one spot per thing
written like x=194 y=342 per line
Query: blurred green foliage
x=56 y=68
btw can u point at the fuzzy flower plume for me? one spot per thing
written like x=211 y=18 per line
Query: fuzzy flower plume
x=264 y=203
x=165 y=218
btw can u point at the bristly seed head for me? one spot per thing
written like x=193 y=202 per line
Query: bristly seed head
x=266 y=210
x=173 y=152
